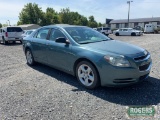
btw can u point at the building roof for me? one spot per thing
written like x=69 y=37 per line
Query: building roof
x=26 y=25
x=153 y=19
x=64 y=25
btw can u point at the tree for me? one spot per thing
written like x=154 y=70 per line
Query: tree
x=65 y=16
x=0 y=25
x=31 y=14
x=92 y=23
x=51 y=17
x=4 y=25
x=99 y=24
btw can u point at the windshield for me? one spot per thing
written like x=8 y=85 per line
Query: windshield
x=85 y=35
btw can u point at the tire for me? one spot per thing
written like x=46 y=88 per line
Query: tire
x=133 y=34
x=87 y=75
x=117 y=34
x=4 y=42
x=29 y=57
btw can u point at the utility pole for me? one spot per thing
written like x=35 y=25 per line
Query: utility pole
x=128 y=2
x=9 y=23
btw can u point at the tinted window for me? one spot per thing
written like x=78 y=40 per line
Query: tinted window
x=14 y=29
x=106 y=28
x=56 y=34
x=125 y=29
x=42 y=34
x=98 y=29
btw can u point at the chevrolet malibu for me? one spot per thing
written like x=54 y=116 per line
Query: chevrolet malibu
x=92 y=57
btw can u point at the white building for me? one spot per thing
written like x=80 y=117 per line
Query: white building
x=123 y=23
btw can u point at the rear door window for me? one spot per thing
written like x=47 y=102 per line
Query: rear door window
x=14 y=29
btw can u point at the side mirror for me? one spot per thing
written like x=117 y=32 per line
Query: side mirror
x=62 y=40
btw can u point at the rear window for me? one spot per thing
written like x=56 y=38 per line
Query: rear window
x=14 y=29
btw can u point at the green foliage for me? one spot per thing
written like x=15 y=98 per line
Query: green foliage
x=4 y=25
x=92 y=23
x=51 y=17
x=0 y=25
x=32 y=14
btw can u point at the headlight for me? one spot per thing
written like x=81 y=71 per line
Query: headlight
x=119 y=61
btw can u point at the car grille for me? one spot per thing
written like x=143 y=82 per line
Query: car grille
x=127 y=80
x=144 y=67
x=140 y=58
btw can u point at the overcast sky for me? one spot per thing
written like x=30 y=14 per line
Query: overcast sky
x=100 y=9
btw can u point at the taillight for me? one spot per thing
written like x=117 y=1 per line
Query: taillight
x=6 y=34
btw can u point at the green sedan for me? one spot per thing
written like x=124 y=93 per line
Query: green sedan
x=95 y=59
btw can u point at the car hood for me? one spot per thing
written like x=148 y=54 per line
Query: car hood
x=114 y=46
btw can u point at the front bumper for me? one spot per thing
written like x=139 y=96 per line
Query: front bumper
x=119 y=76
x=139 y=33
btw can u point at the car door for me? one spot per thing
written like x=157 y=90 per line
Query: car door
x=39 y=45
x=121 y=32
x=59 y=54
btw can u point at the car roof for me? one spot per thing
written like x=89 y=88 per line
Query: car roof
x=63 y=25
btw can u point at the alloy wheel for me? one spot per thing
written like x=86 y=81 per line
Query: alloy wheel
x=86 y=75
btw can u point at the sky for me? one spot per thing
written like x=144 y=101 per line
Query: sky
x=100 y=9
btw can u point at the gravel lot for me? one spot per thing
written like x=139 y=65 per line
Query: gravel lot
x=44 y=93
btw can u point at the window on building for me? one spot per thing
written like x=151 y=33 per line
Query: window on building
x=126 y=25
x=146 y=23
x=117 y=25
x=135 y=24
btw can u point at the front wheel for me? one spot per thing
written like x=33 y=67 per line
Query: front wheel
x=87 y=75
x=117 y=34
x=29 y=58
x=133 y=34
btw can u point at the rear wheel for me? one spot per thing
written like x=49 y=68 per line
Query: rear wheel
x=117 y=34
x=4 y=41
x=29 y=57
x=87 y=75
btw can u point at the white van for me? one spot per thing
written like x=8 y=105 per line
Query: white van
x=149 y=28
x=8 y=34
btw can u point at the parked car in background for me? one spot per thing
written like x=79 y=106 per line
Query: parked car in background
x=91 y=56
x=104 y=30
x=149 y=28
x=140 y=28
x=8 y=34
x=127 y=31
x=27 y=33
